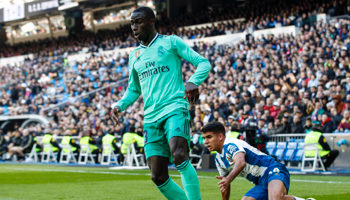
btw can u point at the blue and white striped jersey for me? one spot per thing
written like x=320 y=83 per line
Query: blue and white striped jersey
x=256 y=161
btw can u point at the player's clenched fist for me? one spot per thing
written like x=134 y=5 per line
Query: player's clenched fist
x=115 y=113
x=191 y=92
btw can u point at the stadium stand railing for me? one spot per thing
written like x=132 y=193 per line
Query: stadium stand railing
x=212 y=24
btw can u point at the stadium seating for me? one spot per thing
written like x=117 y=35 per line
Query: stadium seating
x=299 y=152
x=271 y=147
x=132 y=158
x=291 y=149
x=33 y=156
x=196 y=160
x=108 y=156
x=291 y=153
x=280 y=149
x=85 y=155
x=48 y=155
x=67 y=154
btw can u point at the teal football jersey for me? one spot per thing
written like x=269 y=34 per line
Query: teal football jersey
x=156 y=72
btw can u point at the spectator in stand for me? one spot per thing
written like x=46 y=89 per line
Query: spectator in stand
x=246 y=100
x=262 y=127
x=344 y=125
x=297 y=126
x=269 y=118
x=244 y=118
x=196 y=143
x=301 y=116
x=208 y=116
x=308 y=125
x=317 y=112
x=347 y=103
x=268 y=105
x=335 y=117
x=275 y=110
x=286 y=126
x=338 y=103
x=216 y=116
x=275 y=128
x=327 y=124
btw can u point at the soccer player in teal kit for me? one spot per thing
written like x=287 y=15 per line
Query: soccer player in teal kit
x=156 y=72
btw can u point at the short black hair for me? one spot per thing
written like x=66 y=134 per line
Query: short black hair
x=215 y=127
x=147 y=11
x=132 y=129
x=235 y=127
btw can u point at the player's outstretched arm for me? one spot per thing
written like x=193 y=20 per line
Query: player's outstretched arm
x=131 y=94
x=225 y=194
x=225 y=182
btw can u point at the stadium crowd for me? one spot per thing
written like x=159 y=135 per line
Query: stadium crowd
x=285 y=83
x=283 y=13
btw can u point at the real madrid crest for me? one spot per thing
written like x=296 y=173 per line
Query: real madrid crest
x=137 y=53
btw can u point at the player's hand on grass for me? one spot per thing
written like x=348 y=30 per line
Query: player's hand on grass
x=224 y=184
x=191 y=92
x=115 y=114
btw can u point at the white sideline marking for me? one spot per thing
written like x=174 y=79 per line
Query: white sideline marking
x=148 y=174
x=128 y=167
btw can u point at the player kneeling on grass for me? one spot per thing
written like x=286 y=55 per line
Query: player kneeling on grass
x=236 y=157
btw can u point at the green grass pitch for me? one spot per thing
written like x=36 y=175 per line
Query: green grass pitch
x=36 y=182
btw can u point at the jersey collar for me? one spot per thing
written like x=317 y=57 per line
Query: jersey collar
x=154 y=39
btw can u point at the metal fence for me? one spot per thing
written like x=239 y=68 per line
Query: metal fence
x=287 y=137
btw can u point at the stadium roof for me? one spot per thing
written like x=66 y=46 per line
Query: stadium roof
x=6 y=3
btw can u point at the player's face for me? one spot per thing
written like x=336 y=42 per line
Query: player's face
x=140 y=25
x=213 y=141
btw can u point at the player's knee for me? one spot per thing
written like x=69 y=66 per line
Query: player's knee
x=179 y=157
x=159 y=179
x=277 y=197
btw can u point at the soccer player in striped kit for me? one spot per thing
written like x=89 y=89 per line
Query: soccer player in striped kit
x=236 y=157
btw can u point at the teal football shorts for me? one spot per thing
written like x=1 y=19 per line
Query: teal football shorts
x=158 y=134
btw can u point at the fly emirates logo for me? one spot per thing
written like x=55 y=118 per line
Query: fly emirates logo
x=152 y=69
